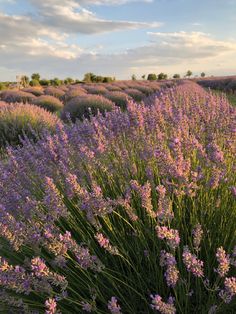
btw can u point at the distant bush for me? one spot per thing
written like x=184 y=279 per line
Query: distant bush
x=135 y=94
x=35 y=76
x=50 y=103
x=96 y=90
x=113 y=88
x=18 y=120
x=2 y=86
x=34 y=82
x=56 y=82
x=44 y=82
x=74 y=92
x=119 y=98
x=176 y=76
x=162 y=76
x=231 y=86
x=64 y=88
x=11 y=96
x=121 y=84
x=85 y=106
x=152 y=77
x=53 y=91
x=92 y=78
x=145 y=89
x=33 y=90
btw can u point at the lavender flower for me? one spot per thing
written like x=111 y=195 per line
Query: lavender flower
x=170 y=235
x=197 y=236
x=162 y=307
x=51 y=306
x=113 y=306
x=105 y=243
x=172 y=274
x=39 y=267
x=193 y=265
x=87 y=307
x=165 y=212
x=229 y=289
x=224 y=262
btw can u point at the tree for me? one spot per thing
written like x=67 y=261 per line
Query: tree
x=35 y=76
x=176 y=76
x=34 y=82
x=68 y=80
x=133 y=77
x=24 y=81
x=162 y=76
x=108 y=79
x=152 y=77
x=56 y=82
x=89 y=77
x=99 y=79
x=44 y=82
x=189 y=73
x=203 y=74
x=143 y=76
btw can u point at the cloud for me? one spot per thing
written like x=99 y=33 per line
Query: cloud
x=46 y=33
x=169 y=52
x=72 y=17
x=190 y=45
x=45 y=42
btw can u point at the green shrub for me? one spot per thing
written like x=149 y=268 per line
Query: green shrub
x=34 y=82
x=48 y=102
x=85 y=106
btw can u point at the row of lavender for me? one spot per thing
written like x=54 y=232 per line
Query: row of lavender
x=226 y=84
x=117 y=92
x=131 y=212
x=74 y=101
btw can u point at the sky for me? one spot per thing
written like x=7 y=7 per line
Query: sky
x=67 y=38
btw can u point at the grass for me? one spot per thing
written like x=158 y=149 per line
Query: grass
x=232 y=99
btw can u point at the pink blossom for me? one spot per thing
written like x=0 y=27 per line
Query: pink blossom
x=193 y=265
x=162 y=307
x=170 y=235
x=51 y=306
x=113 y=306
x=224 y=262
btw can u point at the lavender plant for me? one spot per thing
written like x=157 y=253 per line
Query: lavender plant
x=135 y=94
x=84 y=106
x=121 y=99
x=49 y=103
x=23 y=120
x=128 y=212
x=12 y=96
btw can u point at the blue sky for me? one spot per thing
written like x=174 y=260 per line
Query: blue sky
x=116 y=37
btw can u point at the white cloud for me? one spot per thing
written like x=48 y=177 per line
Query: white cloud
x=72 y=17
x=45 y=43
x=190 y=45
x=168 y=52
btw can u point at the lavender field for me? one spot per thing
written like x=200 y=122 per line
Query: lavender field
x=117 y=198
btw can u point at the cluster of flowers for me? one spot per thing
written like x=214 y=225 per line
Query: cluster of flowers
x=81 y=206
